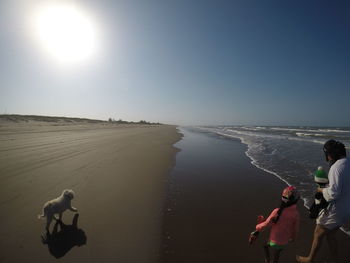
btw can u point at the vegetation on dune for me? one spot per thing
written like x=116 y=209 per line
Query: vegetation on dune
x=27 y=118
x=120 y=121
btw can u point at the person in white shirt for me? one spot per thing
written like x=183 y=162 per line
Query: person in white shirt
x=337 y=194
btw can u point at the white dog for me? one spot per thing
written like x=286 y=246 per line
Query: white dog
x=58 y=206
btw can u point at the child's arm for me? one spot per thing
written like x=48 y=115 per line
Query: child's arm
x=254 y=235
x=261 y=226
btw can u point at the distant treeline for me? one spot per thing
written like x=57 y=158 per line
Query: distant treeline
x=120 y=121
x=27 y=118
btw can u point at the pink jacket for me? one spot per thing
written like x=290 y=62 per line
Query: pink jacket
x=286 y=228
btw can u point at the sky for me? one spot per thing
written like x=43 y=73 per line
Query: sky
x=186 y=62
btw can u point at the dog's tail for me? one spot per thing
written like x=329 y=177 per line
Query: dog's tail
x=40 y=216
x=44 y=211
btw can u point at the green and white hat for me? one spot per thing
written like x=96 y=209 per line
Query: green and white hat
x=321 y=176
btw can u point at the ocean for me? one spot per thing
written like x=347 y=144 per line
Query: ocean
x=290 y=153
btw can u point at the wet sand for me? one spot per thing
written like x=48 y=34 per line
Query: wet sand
x=118 y=173
x=213 y=199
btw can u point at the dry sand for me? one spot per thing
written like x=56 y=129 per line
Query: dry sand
x=118 y=173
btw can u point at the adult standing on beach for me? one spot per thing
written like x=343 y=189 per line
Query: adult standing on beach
x=338 y=195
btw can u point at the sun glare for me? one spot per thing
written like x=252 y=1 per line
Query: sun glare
x=65 y=32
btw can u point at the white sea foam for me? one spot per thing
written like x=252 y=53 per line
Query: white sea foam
x=291 y=129
x=309 y=130
x=251 y=128
x=330 y=130
x=254 y=161
x=301 y=134
x=300 y=137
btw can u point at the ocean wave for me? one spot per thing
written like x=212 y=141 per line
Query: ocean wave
x=331 y=130
x=275 y=136
x=249 y=128
x=301 y=134
x=251 y=133
x=291 y=129
x=310 y=130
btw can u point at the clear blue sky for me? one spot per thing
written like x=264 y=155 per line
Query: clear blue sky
x=190 y=62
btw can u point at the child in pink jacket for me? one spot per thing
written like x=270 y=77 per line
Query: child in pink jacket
x=284 y=222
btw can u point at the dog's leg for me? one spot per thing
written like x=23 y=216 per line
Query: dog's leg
x=55 y=228
x=48 y=221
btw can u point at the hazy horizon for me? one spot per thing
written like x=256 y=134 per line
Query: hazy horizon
x=178 y=62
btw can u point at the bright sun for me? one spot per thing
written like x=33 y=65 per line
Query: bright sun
x=65 y=32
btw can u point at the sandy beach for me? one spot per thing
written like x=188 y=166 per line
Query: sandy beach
x=118 y=173
x=135 y=204
x=213 y=199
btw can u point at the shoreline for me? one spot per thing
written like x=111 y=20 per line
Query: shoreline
x=254 y=163
x=199 y=224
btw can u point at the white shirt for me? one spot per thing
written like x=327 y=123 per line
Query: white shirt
x=338 y=191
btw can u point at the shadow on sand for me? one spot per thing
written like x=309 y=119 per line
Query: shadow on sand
x=60 y=242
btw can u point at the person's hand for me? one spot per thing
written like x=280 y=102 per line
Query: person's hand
x=253 y=236
x=319 y=190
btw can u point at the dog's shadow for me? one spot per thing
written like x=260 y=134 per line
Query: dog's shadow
x=69 y=236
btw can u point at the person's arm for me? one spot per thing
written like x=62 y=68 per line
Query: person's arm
x=261 y=226
x=333 y=191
